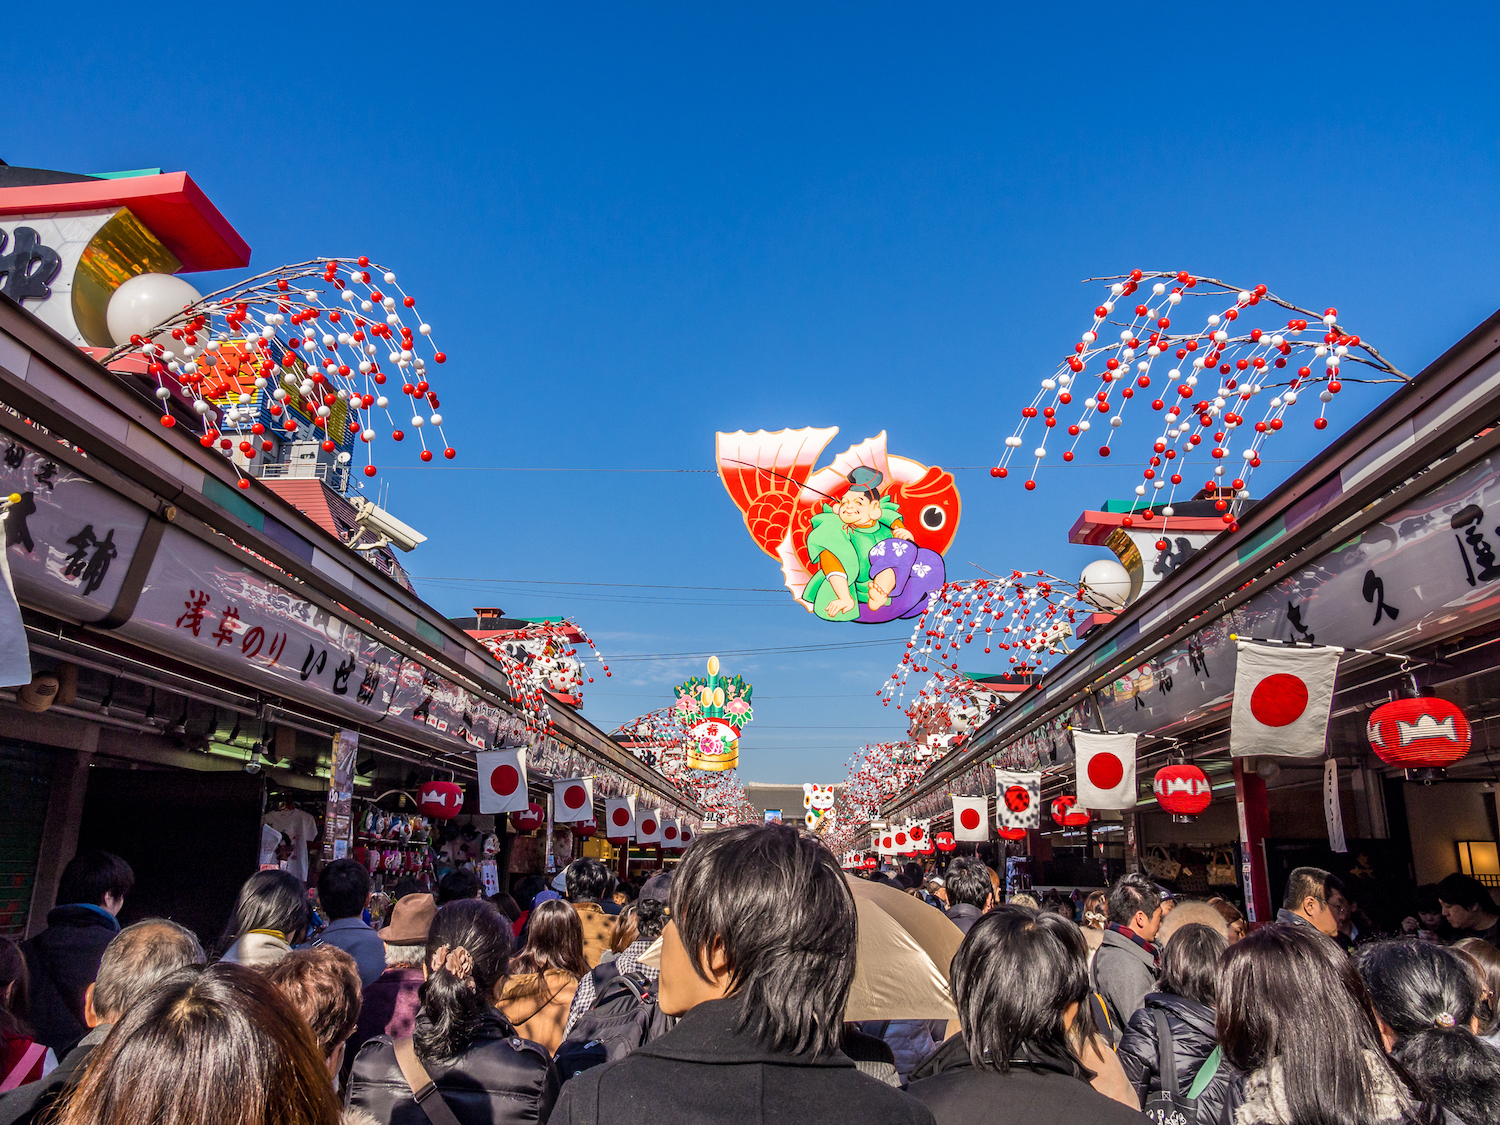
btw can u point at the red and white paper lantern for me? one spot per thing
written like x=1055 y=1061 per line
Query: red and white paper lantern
x=1182 y=789
x=440 y=800
x=1425 y=733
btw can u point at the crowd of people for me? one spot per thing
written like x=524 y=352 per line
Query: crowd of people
x=717 y=992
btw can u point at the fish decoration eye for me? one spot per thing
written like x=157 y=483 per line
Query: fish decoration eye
x=933 y=517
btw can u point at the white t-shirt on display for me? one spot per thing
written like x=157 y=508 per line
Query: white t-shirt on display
x=302 y=829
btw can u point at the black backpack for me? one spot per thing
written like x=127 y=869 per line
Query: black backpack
x=625 y=1016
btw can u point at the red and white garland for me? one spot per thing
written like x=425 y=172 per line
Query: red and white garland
x=539 y=661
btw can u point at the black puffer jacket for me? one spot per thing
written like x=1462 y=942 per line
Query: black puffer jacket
x=501 y=1079
x=63 y=961
x=1191 y=1026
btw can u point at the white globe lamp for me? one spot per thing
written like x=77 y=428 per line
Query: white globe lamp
x=143 y=302
x=1106 y=585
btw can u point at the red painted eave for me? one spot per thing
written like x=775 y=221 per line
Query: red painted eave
x=1093 y=528
x=171 y=205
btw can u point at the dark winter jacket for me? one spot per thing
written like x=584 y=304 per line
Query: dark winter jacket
x=27 y=1104
x=706 y=1071
x=63 y=961
x=964 y=915
x=1123 y=974
x=1192 y=1030
x=501 y=1079
x=1041 y=1090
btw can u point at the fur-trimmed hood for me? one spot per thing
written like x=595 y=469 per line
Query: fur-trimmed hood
x=1265 y=1098
x=352 y=1116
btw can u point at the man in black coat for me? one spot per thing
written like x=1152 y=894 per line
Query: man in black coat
x=970 y=891
x=63 y=959
x=133 y=963
x=757 y=960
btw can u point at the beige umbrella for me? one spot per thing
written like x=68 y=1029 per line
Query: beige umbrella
x=901 y=966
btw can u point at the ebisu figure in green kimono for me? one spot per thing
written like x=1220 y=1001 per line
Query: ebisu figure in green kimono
x=866 y=566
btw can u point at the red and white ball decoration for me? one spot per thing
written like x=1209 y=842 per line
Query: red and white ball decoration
x=529 y=819
x=945 y=841
x=1214 y=372
x=441 y=800
x=1183 y=790
x=322 y=332
x=1425 y=733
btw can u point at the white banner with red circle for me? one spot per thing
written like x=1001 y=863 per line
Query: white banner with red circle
x=572 y=799
x=619 y=818
x=671 y=833
x=1018 y=799
x=502 y=780
x=1106 y=770
x=648 y=826
x=971 y=817
x=1282 y=697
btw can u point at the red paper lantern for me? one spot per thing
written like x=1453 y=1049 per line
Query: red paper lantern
x=586 y=827
x=1425 y=733
x=529 y=819
x=1066 y=813
x=1012 y=833
x=441 y=800
x=926 y=848
x=1182 y=789
x=945 y=841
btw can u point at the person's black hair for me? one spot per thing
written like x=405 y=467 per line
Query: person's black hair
x=91 y=875
x=457 y=885
x=1290 y=995
x=650 y=918
x=1304 y=883
x=1467 y=892
x=1427 y=899
x=269 y=900
x=343 y=889
x=1012 y=981
x=1130 y=895
x=527 y=888
x=1190 y=963
x=408 y=886
x=588 y=880
x=777 y=904
x=913 y=873
x=1428 y=996
x=626 y=889
x=507 y=905
x=969 y=881
x=468 y=953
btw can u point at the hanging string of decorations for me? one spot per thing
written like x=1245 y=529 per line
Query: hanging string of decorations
x=1028 y=615
x=1214 y=373
x=301 y=347
x=540 y=661
x=662 y=739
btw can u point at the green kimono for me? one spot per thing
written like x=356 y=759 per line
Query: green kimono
x=851 y=546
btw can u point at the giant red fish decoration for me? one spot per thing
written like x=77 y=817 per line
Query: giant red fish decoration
x=861 y=539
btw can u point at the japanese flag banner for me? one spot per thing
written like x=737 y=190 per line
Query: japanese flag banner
x=502 y=780
x=573 y=799
x=917 y=832
x=886 y=844
x=648 y=826
x=1106 y=770
x=1282 y=696
x=619 y=818
x=1018 y=799
x=971 y=818
x=669 y=832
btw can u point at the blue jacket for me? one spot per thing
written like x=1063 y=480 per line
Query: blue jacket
x=360 y=942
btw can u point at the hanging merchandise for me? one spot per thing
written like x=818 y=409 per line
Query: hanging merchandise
x=648 y=826
x=619 y=818
x=441 y=800
x=1018 y=802
x=529 y=819
x=1425 y=733
x=502 y=780
x=859 y=540
x=573 y=799
x=1332 y=811
x=970 y=816
x=714 y=710
x=1182 y=789
x=945 y=841
x=1282 y=698
x=1106 y=770
x=1067 y=813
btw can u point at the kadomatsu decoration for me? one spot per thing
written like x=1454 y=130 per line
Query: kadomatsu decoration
x=714 y=711
x=859 y=540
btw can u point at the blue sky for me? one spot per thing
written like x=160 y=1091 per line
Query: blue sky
x=631 y=227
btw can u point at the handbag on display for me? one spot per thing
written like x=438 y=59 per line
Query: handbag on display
x=1193 y=878
x=1159 y=864
x=1221 y=872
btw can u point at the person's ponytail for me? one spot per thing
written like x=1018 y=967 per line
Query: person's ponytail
x=468 y=949
x=1454 y=1068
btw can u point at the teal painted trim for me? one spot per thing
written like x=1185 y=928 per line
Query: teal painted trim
x=428 y=631
x=126 y=175
x=1262 y=539
x=231 y=501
